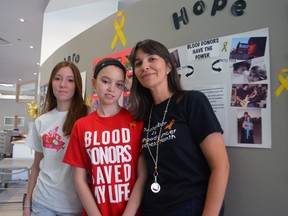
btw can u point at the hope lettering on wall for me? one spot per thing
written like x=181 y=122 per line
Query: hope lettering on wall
x=237 y=9
x=74 y=58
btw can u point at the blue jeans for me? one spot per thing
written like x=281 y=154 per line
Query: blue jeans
x=191 y=208
x=40 y=210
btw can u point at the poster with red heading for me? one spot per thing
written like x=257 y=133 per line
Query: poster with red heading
x=121 y=56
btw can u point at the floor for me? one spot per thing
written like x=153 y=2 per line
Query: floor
x=11 y=195
x=11 y=199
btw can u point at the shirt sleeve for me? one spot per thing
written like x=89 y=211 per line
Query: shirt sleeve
x=76 y=154
x=33 y=139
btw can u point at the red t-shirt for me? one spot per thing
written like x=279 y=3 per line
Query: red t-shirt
x=108 y=148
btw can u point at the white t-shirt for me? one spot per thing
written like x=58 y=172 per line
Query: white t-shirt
x=54 y=188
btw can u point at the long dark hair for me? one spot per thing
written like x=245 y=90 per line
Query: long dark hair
x=260 y=45
x=77 y=107
x=141 y=99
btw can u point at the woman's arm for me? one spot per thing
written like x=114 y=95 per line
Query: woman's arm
x=252 y=126
x=35 y=169
x=244 y=124
x=83 y=190
x=138 y=189
x=214 y=150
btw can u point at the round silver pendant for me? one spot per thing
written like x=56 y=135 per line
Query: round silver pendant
x=155 y=187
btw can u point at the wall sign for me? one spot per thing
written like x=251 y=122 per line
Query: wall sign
x=74 y=58
x=233 y=71
x=237 y=9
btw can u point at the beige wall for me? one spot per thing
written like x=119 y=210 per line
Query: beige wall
x=258 y=182
x=11 y=108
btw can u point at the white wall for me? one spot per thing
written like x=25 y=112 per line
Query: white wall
x=62 y=22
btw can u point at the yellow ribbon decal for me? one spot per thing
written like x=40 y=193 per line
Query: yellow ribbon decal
x=283 y=82
x=88 y=100
x=224 y=46
x=118 y=28
x=33 y=109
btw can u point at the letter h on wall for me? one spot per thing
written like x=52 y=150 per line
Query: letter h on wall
x=183 y=17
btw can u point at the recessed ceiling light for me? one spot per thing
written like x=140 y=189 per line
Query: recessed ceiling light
x=35 y=74
x=31 y=47
x=38 y=63
x=20 y=79
x=21 y=20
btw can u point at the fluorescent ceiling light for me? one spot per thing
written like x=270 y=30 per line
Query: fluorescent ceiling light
x=6 y=84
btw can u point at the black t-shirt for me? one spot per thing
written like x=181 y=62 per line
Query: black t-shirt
x=183 y=170
x=242 y=93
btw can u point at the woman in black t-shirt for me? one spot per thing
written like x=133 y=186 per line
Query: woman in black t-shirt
x=182 y=141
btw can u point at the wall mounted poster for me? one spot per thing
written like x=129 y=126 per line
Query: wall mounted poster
x=234 y=73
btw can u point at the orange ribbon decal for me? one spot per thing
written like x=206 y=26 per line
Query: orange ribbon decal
x=283 y=82
x=118 y=28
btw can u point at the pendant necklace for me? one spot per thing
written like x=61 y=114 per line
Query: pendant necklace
x=155 y=186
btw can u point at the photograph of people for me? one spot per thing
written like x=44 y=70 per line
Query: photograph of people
x=241 y=120
x=249 y=95
x=51 y=189
x=257 y=73
x=249 y=126
x=105 y=149
x=244 y=94
x=256 y=47
x=247 y=48
x=186 y=156
x=240 y=72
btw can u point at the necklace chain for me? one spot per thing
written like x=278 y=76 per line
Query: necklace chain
x=155 y=159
